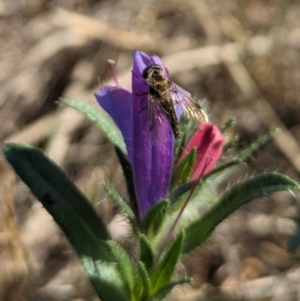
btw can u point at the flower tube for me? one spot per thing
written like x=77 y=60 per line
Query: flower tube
x=151 y=162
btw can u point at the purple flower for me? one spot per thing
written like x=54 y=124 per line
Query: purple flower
x=151 y=162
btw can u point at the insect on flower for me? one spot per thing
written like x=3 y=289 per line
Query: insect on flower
x=165 y=97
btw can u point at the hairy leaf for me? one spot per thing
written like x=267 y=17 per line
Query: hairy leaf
x=73 y=213
x=164 y=271
x=242 y=193
x=101 y=119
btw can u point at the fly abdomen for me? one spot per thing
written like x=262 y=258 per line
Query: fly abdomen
x=169 y=110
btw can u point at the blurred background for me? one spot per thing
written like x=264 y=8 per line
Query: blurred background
x=242 y=57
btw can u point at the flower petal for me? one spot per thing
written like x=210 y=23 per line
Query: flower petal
x=208 y=140
x=152 y=164
x=117 y=102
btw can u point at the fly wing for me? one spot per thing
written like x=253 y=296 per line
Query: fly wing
x=184 y=104
x=159 y=124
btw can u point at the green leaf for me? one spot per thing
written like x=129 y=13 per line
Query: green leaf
x=183 y=170
x=178 y=197
x=122 y=204
x=242 y=193
x=216 y=176
x=243 y=155
x=230 y=144
x=179 y=191
x=142 y=286
x=154 y=218
x=219 y=173
x=164 y=291
x=228 y=124
x=125 y=266
x=260 y=141
x=101 y=119
x=164 y=271
x=73 y=213
x=146 y=252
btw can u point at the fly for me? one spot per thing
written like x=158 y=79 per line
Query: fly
x=164 y=95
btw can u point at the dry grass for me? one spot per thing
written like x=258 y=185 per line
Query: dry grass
x=242 y=56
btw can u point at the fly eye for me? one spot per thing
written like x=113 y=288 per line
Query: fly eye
x=152 y=70
x=146 y=72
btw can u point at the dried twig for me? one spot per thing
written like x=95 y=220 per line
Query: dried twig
x=14 y=264
x=100 y=30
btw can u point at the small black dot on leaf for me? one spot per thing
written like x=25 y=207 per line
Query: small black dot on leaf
x=47 y=198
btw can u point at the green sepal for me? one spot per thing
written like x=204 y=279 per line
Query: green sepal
x=124 y=266
x=164 y=270
x=184 y=169
x=179 y=143
x=154 y=218
x=142 y=287
x=164 y=291
x=146 y=252
x=242 y=193
x=122 y=205
x=100 y=119
x=73 y=213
